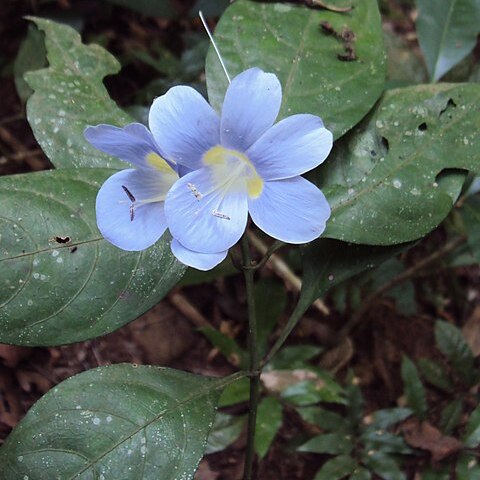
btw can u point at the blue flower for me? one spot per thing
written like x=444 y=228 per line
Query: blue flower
x=130 y=204
x=239 y=164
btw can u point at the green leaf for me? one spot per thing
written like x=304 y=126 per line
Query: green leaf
x=471 y=438
x=452 y=344
x=153 y=8
x=227 y=346
x=69 y=95
x=337 y=468
x=354 y=401
x=467 y=467
x=385 y=466
x=413 y=389
x=447 y=32
x=235 y=393
x=451 y=416
x=119 y=421
x=326 y=419
x=319 y=387
x=225 y=430
x=31 y=56
x=332 y=443
x=382 y=180
x=388 y=417
x=435 y=374
x=376 y=437
x=295 y=356
x=54 y=293
x=269 y=421
x=384 y=442
x=288 y=41
x=361 y=474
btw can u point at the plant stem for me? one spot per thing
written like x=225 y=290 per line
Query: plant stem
x=253 y=369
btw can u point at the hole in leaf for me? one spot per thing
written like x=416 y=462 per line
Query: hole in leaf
x=59 y=239
x=450 y=104
x=422 y=127
x=385 y=144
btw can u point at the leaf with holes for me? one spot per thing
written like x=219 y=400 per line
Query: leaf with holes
x=60 y=281
x=288 y=41
x=120 y=421
x=447 y=32
x=383 y=180
x=69 y=95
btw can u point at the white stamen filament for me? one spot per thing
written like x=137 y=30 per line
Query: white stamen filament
x=217 y=51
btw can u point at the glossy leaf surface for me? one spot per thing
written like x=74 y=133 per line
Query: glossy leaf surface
x=447 y=32
x=61 y=282
x=69 y=95
x=383 y=180
x=287 y=40
x=269 y=421
x=120 y=421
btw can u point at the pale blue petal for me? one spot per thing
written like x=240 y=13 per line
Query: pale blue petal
x=185 y=125
x=251 y=105
x=113 y=209
x=293 y=146
x=200 y=261
x=292 y=210
x=131 y=143
x=202 y=218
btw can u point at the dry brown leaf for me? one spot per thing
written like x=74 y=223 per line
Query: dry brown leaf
x=425 y=436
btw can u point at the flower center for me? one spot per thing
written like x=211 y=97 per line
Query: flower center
x=233 y=170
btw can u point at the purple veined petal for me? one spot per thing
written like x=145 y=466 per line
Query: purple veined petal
x=251 y=105
x=293 y=146
x=200 y=261
x=133 y=143
x=122 y=218
x=185 y=125
x=292 y=210
x=203 y=217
